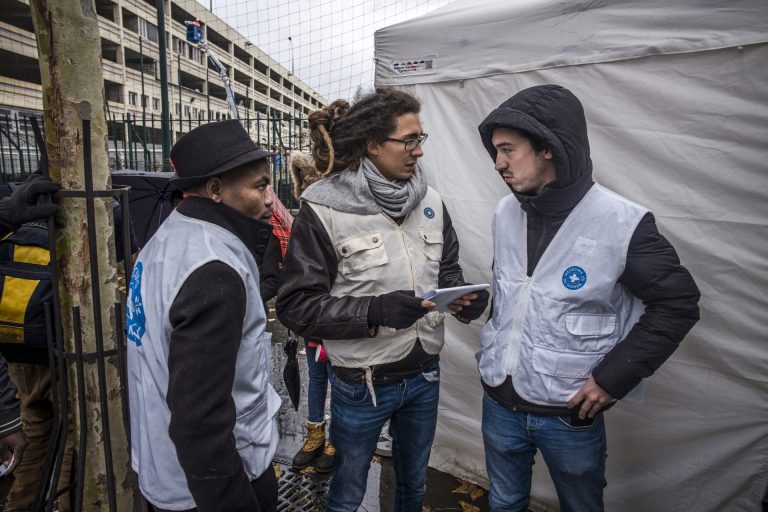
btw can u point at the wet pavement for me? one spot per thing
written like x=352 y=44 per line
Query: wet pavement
x=303 y=491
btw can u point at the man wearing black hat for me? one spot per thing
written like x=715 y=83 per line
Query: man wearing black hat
x=203 y=431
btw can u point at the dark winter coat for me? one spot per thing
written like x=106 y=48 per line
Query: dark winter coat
x=653 y=272
x=214 y=296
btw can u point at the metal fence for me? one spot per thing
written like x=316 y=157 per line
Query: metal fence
x=18 y=152
x=135 y=143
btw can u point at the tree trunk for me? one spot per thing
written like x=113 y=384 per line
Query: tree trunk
x=69 y=50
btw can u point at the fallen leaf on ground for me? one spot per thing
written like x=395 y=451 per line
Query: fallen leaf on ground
x=466 y=507
x=474 y=491
x=278 y=471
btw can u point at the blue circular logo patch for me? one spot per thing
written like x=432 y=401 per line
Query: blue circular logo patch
x=429 y=213
x=574 y=278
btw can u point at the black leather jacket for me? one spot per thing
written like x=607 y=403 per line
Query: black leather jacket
x=305 y=304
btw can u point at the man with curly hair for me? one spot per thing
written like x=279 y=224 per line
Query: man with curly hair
x=369 y=240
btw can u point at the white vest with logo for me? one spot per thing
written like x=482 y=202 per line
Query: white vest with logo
x=179 y=247
x=377 y=256
x=551 y=329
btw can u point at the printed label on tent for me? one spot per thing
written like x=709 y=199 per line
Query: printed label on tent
x=414 y=65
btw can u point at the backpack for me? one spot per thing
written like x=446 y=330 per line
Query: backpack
x=25 y=287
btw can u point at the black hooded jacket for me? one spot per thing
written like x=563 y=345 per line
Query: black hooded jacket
x=653 y=272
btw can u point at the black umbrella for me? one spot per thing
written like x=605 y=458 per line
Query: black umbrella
x=291 y=375
x=151 y=199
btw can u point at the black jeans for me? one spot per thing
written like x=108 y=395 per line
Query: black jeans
x=264 y=487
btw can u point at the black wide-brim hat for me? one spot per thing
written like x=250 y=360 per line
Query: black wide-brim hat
x=210 y=150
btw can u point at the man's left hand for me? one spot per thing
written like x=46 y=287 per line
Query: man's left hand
x=22 y=207
x=470 y=306
x=591 y=397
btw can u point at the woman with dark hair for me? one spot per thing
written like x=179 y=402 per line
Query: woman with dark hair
x=315 y=451
x=370 y=239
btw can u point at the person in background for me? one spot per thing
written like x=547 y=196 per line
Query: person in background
x=316 y=450
x=17 y=209
x=27 y=249
x=369 y=240
x=588 y=300
x=203 y=426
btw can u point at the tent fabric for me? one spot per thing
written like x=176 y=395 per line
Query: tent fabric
x=683 y=133
x=494 y=37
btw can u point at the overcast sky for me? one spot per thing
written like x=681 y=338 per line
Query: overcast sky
x=332 y=39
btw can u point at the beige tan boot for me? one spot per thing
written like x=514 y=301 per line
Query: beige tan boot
x=314 y=444
x=324 y=463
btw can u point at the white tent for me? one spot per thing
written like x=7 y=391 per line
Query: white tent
x=676 y=98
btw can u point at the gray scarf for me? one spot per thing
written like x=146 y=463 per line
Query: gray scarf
x=367 y=192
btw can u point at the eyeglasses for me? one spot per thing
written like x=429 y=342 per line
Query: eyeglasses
x=411 y=144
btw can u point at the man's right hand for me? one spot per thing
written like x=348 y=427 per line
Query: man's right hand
x=399 y=309
x=12 y=446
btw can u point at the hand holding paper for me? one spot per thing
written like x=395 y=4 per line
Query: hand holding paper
x=443 y=297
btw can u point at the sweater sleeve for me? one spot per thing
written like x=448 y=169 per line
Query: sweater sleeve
x=653 y=273
x=207 y=320
x=10 y=414
x=305 y=304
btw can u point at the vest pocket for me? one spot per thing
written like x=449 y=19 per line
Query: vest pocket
x=561 y=363
x=362 y=252
x=249 y=425
x=591 y=332
x=432 y=242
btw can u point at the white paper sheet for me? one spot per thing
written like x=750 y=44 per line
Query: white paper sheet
x=444 y=296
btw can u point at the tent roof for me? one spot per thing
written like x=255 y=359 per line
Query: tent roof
x=510 y=36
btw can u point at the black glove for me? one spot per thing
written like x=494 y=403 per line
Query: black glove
x=22 y=206
x=475 y=308
x=398 y=309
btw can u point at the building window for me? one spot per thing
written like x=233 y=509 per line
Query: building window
x=144 y=100
x=147 y=30
x=132 y=98
x=178 y=109
x=186 y=110
x=155 y=104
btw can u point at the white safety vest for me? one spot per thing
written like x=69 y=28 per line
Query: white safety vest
x=551 y=329
x=180 y=246
x=377 y=256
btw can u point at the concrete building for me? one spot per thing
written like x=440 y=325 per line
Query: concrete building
x=130 y=57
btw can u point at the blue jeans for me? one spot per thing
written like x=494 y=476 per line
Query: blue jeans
x=575 y=457
x=318 y=385
x=410 y=405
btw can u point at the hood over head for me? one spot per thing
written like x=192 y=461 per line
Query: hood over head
x=553 y=114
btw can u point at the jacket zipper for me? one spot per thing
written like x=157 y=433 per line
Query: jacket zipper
x=410 y=264
x=522 y=306
x=19 y=273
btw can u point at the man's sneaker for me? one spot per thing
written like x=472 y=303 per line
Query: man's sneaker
x=324 y=463
x=313 y=447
